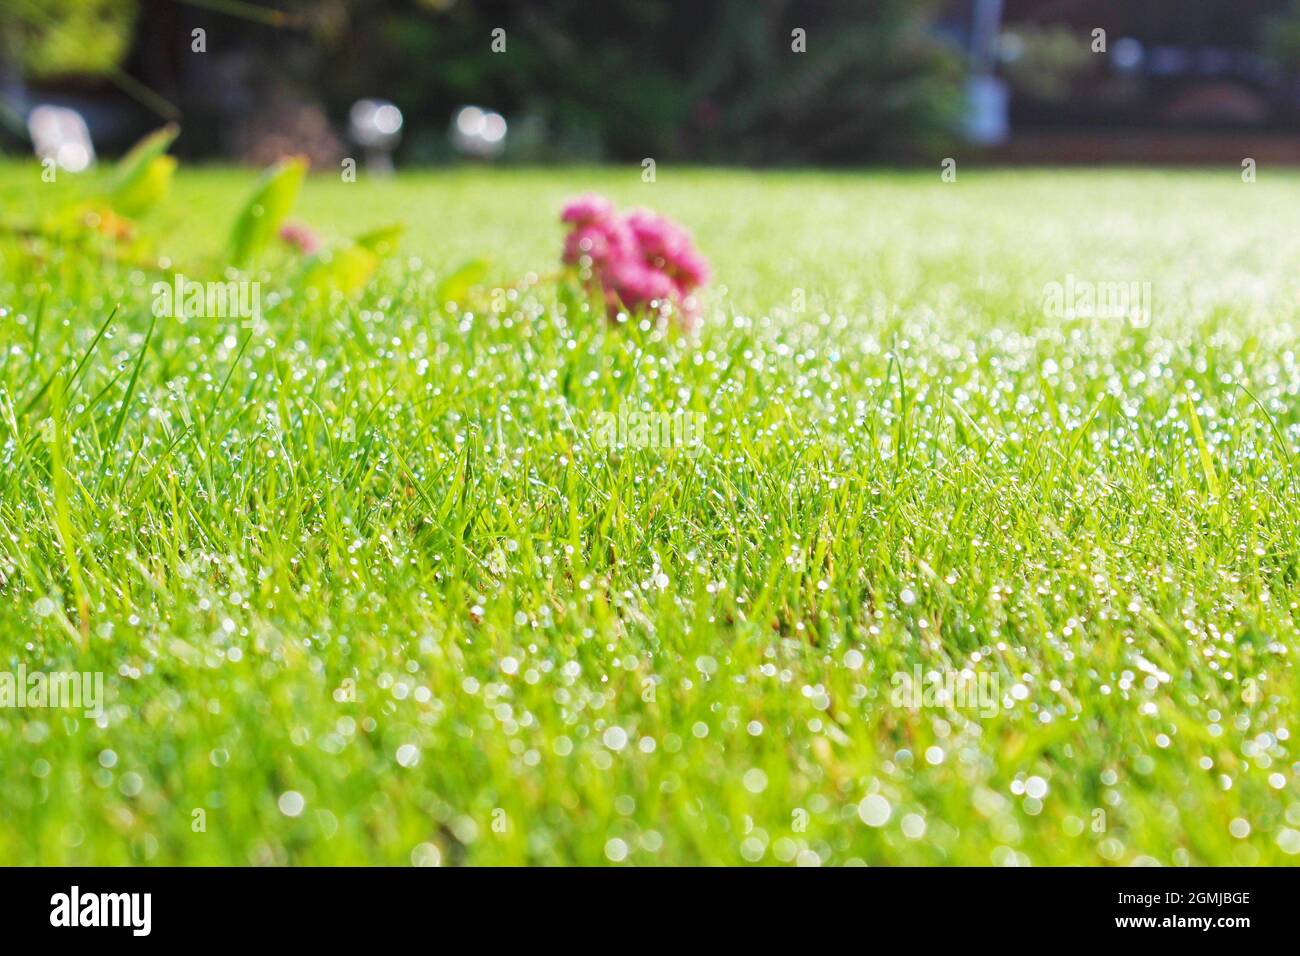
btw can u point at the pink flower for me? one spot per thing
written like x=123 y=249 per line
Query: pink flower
x=659 y=238
x=690 y=269
x=602 y=242
x=636 y=283
x=301 y=237
x=668 y=247
x=587 y=209
x=640 y=261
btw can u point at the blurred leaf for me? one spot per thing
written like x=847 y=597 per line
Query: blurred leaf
x=349 y=268
x=135 y=165
x=382 y=241
x=345 y=270
x=144 y=192
x=266 y=209
x=105 y=221
x=457 y=284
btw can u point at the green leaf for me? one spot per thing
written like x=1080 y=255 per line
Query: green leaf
x=266 y=209
x=383 y=241
x=348 y=268
x=1207 y=459
x=457 y=284
x=135 y=165
x=147 y=190
x=345 y=270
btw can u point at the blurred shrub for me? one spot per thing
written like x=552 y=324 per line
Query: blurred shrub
x=53 y=38
x=1043 y=61
x=1282 y=38
x=712 y=79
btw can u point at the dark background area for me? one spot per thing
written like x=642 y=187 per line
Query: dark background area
x=712 y=81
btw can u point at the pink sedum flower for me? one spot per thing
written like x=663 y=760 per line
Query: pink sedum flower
x=601 y=242
x=659 y=238
x=640 y=261
x=636 y=283
x=691 y=270
x=301 y=237
x=588 y=209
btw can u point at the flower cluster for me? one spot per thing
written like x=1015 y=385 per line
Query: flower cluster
x=640 y=260
x=301 y=237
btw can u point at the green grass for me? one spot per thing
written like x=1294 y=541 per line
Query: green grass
x=638 y=653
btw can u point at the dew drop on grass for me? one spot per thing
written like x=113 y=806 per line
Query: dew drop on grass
x=426 y=854
x=874 y=810
x=913 y=826
x=1288 y=841
x=291 y=803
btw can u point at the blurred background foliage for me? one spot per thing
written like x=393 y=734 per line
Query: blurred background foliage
x=713 y=81
x=1043 y=60
x=709 y=80
x=1282 y=38
x=55 y=38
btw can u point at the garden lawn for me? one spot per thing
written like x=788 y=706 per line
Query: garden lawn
x=365 y=588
